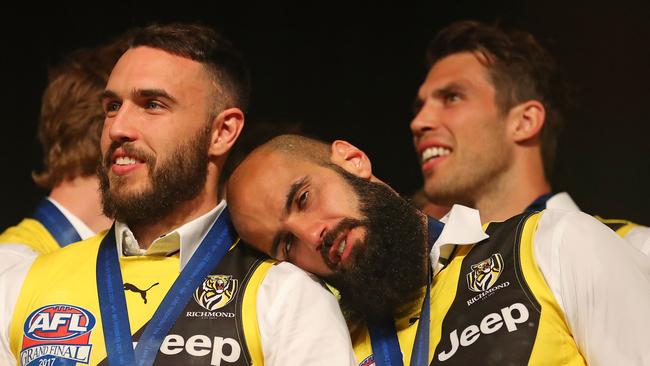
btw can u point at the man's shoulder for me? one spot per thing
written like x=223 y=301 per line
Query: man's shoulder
x=32 y=234
x=284 y=276
x=73 y=253
x=288 y=271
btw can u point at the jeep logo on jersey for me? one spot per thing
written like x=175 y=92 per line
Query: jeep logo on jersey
x=485 y=273
x=509 y=316
x=216 y=292
x=57 y=331
x=219 y=349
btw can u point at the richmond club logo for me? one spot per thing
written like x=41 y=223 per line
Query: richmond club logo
x=485 y=274
x=57 y=331
x=216 y=292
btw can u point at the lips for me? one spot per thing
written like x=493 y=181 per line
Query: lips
x=432 y=153
x=339 y=243
x=123 y=159
x=337 y=252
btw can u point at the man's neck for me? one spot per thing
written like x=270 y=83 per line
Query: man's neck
x=510 y=197
x=82 y=198
x=145 y=234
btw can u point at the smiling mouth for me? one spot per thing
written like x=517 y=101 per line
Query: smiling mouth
x=335 y=248
x=434 y=152
x=126 y=160
x=335 y=253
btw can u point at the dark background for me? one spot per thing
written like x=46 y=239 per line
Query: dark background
x=351 y=70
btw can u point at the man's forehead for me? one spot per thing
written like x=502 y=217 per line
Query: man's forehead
x=458 y=69
x=149 y=67
x=257 y=192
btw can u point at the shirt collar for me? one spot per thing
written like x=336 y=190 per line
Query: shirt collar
x=462 y=227
x=80 y=227
x=185 y=238
x=562 y=201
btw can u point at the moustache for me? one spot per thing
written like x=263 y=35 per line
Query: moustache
x=130 y=150
x=345 y=224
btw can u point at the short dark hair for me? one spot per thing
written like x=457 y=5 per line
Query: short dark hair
x=520 y=69
x=254 y=135
x=206 y=46
x=71 y=117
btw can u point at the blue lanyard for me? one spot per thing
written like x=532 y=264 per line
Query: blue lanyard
x=383 y=336
x=539 y=204
x=56 y=223
x=112 y=303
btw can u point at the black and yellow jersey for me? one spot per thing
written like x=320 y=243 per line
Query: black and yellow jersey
x=489 y=305
x=57 y=316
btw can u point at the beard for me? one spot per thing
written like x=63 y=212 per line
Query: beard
x=178 y=179
x=390 y=265
x=471 y=175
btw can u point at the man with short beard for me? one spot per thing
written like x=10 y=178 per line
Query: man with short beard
x=170 y=283
x=418 y=296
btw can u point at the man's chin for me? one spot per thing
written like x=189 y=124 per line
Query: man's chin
x=128 y=187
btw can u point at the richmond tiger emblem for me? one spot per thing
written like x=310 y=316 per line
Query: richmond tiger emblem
x=485 y=273
x=216 y=291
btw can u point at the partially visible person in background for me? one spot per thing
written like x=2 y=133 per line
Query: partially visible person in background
x=487 y=124
x=69 y=127
x=424 y=204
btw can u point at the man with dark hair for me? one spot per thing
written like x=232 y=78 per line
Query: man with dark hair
x=68 y=130
x=169 y=283
x=488 y=117
x=537 y=289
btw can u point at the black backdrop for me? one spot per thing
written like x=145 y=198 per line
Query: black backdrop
x=351 y=70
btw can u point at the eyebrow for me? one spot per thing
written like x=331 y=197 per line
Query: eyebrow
x=437 y=93
x=142 y=93
x=109 y=94
x=291 y=195
x=446 y=89
x=148 y=93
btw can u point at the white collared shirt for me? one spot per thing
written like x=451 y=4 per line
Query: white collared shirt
x=80 y=227
x=638 y=236
x=462 y=227
x=601 y=284
x=185 y=238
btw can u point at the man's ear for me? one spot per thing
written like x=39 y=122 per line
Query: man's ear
x=226 y=128
x=526 y=120
x=350 y=158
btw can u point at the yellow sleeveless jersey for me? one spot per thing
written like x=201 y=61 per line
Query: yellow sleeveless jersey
x=32 y=234
x=57 y=318
x=489 y=306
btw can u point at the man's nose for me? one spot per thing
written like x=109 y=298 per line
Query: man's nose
x=308 y=229
x=122 y=125
x=425 y=120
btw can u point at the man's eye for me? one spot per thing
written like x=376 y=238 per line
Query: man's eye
x=152 y=104
x=302 y=199
x=112 y=107
x=451 y=97
x=288 y=244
